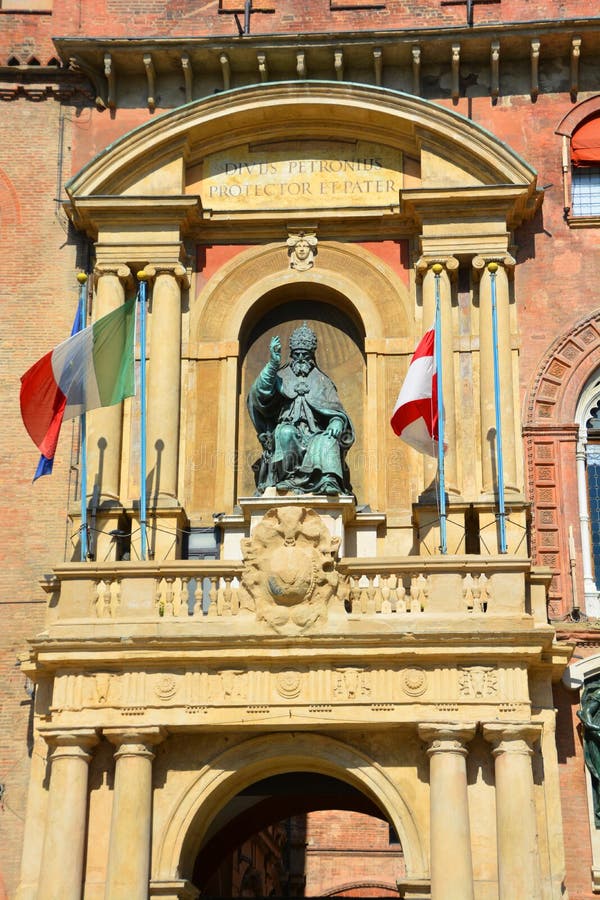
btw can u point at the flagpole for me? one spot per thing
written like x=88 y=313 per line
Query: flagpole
x=83 y=541
x=142 y=305
x=437 y=269
x=492 y=269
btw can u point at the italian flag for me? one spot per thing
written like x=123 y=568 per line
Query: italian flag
x=92 y=368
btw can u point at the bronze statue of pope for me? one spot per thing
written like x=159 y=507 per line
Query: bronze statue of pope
x=300 y=421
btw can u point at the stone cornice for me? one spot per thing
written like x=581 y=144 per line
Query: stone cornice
x=105 y=60
x=92 y=213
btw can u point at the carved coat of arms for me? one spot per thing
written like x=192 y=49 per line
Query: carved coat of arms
x=289 y=572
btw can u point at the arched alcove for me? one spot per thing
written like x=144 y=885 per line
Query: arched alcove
x=358 y=303
x=340 y=354
x=221 y=779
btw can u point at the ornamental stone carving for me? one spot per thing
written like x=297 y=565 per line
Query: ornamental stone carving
x=289 y=569
x=302 y=249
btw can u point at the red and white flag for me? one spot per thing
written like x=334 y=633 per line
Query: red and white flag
x=415 y=416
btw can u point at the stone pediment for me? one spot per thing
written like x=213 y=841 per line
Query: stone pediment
x=385 y=142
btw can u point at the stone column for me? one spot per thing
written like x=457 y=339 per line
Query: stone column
x=61 y=869
x=450 y=832
x=164 y=381
x=128 y=869
x=428 y=269
x=518 y=859
x=486 y=375
x=105 y=426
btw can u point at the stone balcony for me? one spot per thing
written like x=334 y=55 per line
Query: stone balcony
x=396 y=593
x=291 y=635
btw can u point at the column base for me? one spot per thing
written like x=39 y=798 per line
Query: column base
x=105 y=525
x=165 y=526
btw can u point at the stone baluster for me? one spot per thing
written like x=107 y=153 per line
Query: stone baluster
x=428 y=269
x=486 y=376
x=517 y=846
x=128 y=869
x=450 y=832
x=164 y=380
x=61 y=869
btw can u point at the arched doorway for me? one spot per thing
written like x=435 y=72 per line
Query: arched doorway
x=299 y=835
x=271 y=778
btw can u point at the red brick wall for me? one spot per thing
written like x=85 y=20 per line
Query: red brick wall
x=38 y=295
x=349 y=853
x=28 y=34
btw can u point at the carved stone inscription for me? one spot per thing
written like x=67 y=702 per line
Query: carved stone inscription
x=291 y=175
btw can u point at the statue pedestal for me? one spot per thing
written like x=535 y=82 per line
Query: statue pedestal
x=356 y=529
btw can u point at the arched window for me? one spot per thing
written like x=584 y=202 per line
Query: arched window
x=585 y=173
x=588 y=480
x=580 y=130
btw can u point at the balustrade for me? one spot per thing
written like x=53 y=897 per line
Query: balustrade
x=367 y=588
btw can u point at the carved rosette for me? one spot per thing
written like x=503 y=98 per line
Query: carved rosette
x=289 y=569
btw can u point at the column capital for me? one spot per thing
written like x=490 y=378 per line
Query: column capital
x=480 y=263
x=135 y=741
x=449 y=263
x=70 y=742
x=511 y=737
x=120 y=270
x=176 y=269
x=444 y=737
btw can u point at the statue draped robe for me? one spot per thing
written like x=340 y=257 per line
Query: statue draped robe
x=291 y=414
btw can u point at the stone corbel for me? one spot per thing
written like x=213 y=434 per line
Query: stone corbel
x=263 y=66
x=76 y=62
x=416 y=69
x=535 y=67
x=225 y=71
x=455 y=68
x=338 y=64
x=495 y=69
x=188 y=76
x=378 y=65
x=575 y=57
x=111 y=79
x=151 y=81
x=301 y=64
